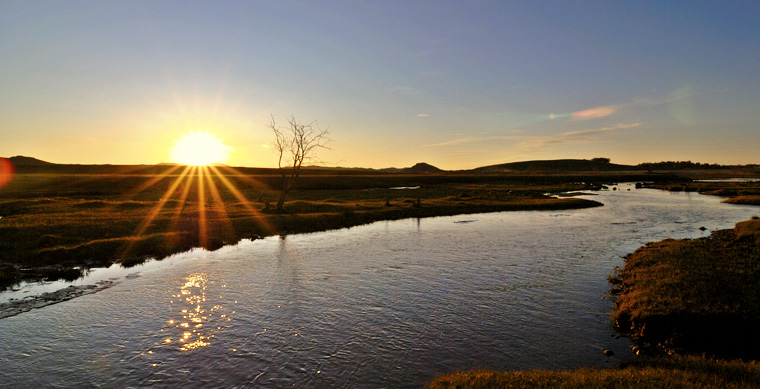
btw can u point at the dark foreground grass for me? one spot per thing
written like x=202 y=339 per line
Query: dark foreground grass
x=55 y=226
x=660 y=372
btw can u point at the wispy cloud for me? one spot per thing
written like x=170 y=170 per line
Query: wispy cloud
x=473 y=139
x=539 y=142
x=529 y=143
x=595 y=113
x=683 y=93
x=423 y=115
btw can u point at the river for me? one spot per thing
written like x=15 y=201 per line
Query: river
x=391 y=304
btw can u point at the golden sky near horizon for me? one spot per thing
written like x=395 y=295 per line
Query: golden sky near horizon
x=456 y=85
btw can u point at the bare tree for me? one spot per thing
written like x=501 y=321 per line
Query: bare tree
x=295 y=144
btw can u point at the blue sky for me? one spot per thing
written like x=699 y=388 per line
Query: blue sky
x=458 y=84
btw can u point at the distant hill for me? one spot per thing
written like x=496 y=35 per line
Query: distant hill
x=419 y=168
x=422 y=167
x=557 y=165
x=20 y=160
x=25 y=164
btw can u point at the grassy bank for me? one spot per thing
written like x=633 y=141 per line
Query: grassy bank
x=660 y=372
x=733 y=192
x=693 y=296
x=56 y=226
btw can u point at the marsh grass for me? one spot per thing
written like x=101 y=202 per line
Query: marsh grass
x=734 y=192
x=745 y=199
x=53 y=224
x=662 y=372
x=700 y=296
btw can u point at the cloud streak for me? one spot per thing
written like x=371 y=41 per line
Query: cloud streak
x=473 y=139
x=595 y=113
x=608 y=110
x=533 y=143
x=539 y=142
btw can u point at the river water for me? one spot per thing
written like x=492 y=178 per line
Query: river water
x=391 y=304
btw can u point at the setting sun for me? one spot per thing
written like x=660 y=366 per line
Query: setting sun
x=199 y=149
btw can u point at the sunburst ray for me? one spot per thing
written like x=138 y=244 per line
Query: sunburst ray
x=260 y=220
x=154 y=213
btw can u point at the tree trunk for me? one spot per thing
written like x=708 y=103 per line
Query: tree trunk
x=280 y=202
x=283 y=193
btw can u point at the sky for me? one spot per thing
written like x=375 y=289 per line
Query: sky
x=457 y=84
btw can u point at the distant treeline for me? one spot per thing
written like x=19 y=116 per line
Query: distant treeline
x=688 y=165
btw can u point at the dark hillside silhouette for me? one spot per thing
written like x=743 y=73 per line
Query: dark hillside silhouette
x=557 y=165
x=422 y=167
x=21 y=160
x=419 y=168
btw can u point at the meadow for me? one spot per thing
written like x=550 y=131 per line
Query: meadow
x=56 y=225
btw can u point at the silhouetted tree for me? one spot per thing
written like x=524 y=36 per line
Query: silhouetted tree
x=295 y=144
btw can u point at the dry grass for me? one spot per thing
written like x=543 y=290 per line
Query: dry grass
x=52 y=224
x=749 y=228
x=746 y=200
x=734 y=192
x=698 y=295
x=675 y=372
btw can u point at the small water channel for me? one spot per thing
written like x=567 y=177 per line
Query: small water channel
x=391 y=304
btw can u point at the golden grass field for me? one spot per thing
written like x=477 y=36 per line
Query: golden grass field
x=58 y=225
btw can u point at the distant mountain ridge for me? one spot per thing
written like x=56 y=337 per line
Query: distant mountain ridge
x=34 y=165
x=557 y=165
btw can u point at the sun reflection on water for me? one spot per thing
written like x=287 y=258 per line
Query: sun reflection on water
x=197 y=319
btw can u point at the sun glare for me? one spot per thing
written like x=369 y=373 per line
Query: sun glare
x=199 y=149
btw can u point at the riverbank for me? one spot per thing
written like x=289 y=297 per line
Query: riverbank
x=58 y=227
x=683 y=303
x=693 y=296
x=661 y=372
x=735 y=192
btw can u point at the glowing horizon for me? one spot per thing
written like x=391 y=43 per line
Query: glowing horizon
x=389 y=79
x=198 y=148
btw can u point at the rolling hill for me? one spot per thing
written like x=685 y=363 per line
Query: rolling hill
x=557 y=165
x=21 y=160
x=25 y=164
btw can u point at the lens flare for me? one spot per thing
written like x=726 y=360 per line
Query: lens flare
x=6 y=171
